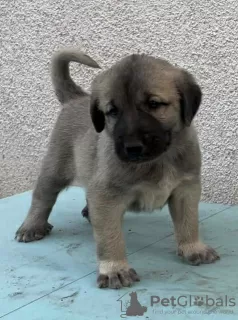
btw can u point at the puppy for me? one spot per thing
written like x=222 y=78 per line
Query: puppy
x=132 y=146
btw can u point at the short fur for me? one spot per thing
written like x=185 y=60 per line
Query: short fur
x=131 y=144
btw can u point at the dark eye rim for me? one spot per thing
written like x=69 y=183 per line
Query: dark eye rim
x=113 y=112
x=153 y=104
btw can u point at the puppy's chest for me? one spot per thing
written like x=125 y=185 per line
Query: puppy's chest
x=149 y=197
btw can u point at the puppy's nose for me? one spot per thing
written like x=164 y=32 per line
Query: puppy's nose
x=133 y=149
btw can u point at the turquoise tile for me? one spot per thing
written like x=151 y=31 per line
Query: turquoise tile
x=55 y=278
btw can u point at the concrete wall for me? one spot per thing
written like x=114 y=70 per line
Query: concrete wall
x=201 y=36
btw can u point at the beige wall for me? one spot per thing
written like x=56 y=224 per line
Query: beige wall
x=201 y=36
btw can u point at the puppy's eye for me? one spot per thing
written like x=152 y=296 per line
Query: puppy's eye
x=112 y=112
x=153 y=104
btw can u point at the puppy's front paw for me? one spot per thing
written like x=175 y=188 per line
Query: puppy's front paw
x=31 y=232
x=116 y=275
x=198 y=253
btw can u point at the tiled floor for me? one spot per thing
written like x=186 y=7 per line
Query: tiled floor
x=55 y=278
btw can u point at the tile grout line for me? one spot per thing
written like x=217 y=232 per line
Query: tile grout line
x=64 y=286
x=169 y=235
x=45 y=295
x=214 y=214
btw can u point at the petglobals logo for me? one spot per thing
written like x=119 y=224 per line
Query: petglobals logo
x=139 y=304
x=188 y=301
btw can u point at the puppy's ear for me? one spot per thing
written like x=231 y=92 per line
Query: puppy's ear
x=190 y=96
x=97 y=116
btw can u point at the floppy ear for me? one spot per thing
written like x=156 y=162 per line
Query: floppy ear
x=190 y=97
x=97 y=116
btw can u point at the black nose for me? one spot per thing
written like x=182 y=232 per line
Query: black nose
x=133 y=150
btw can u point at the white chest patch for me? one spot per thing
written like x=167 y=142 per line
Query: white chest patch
x=152 y=197
x=150 y=200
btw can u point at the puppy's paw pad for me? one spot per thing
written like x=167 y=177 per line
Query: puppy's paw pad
x=117 y=280
x=199 y=254
x=32 y=233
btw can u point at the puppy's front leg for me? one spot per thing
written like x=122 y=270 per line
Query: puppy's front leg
x=106 y=214
x=183 y=206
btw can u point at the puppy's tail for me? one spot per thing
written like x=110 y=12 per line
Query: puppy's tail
x=65 y=88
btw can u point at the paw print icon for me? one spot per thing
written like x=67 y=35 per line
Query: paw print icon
x=198 y=301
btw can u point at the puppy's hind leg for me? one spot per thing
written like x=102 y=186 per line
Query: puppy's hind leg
x=56 y=174
x=85 y=213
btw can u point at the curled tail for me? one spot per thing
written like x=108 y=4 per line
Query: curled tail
x=65 y=88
